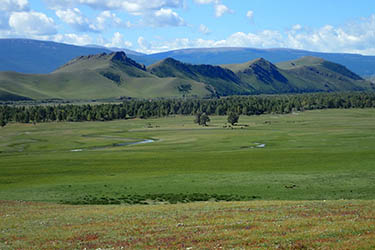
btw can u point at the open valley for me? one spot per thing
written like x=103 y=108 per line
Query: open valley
x=321 y=161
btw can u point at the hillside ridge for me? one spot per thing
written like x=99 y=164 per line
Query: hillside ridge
x=114 y=74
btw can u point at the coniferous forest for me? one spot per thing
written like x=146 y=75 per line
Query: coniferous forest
x=249 y=105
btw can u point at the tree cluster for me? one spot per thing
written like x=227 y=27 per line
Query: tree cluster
x=202 y=119
x=71 y=113
x=231 y=106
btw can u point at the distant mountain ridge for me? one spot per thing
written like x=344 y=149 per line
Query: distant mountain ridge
x=361 y=65
x=115 y=75
x=115 y=49
x=38 y=57
x=33 y=56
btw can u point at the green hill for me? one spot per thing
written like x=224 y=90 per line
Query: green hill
x=262 y=76
x=115 y=75
x=318 y=74
x=307 y=74
x=223 y=80
x=96 y=77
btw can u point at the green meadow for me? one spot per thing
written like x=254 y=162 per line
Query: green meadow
x=200 y=225
x=314 y=155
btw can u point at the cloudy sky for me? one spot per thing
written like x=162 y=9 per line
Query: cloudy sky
x=158 y=25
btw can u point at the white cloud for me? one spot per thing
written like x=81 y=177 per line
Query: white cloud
x=250 y=14
x=118 y=41
x=14 y=5
x=204 y=29
x=143 y=44
x=152 y=13
x=75 y=18
x=263 y=39
x=178 y=43
x=32 y=23
x=135 y=7
x=6 y=9
x=221 y=9
x=206 y=1
x=164 y=17
x=355 y=37
x=107 y=18
x=297 y=27
x=16 y=20
x=128 y=44
x=72 y=39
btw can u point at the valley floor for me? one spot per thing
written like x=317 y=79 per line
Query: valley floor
x=314 y=155
x=302 y=180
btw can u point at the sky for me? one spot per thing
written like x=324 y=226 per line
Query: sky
x=149 y=26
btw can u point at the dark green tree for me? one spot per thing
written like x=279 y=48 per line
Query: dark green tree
x=233 y=118
x=3 y=122
x=202 y=119
x=198 y=118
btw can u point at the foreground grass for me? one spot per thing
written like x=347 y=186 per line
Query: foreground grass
x=208 y=225
x=320 y=155
x=328 y=154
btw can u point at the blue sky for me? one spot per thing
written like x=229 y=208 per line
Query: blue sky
x=157 y=25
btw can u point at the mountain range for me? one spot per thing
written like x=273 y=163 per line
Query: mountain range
x=41 y=57
x=115 y=75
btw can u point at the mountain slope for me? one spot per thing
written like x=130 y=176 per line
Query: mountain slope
x=223 y=80
x=361 y=65
x=103 y=63
x=308 y=74
x=99 y=76
x=262 y=76
x=324 y=75
x=310 y=61
x=114 y=75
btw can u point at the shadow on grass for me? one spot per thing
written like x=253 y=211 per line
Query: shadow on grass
x=149 y=199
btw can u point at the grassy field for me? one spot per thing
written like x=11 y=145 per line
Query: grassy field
x=304 y=180
x=318 y=155
x=203 y=225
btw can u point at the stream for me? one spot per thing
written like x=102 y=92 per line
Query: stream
x=123 y=144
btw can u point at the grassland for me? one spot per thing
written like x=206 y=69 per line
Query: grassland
x=312 y=185
x=319 y=155
x=205 y=225
x=89 y=85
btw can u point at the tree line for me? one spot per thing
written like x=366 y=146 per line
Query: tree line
x=239 y=105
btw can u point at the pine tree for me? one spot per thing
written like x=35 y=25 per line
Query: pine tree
x=2 y=122
x=202 y=119
x=233 y=118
